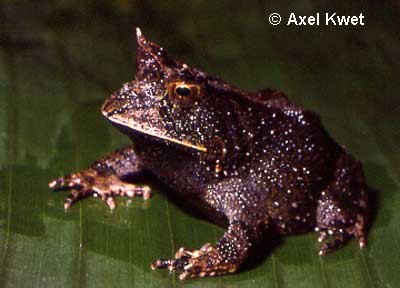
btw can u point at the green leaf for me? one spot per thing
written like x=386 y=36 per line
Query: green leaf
x=60 y=60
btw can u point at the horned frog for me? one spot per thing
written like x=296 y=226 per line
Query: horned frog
x=253 y=160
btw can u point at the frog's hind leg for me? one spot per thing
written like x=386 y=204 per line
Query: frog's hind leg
x=342 y=206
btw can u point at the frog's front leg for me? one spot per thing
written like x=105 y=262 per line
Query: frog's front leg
x=244 y=212
x=104 y=179
x=211 y=260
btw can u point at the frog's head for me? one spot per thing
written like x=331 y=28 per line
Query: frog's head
x=173 y=102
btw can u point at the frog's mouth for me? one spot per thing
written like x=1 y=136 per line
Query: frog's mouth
x=143 y=127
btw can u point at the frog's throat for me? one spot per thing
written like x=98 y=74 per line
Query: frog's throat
x=132 y=125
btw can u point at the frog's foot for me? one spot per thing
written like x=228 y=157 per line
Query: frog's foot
x=331 y=240
x=335 y=236
x=92 y=183
x=342 y=207
x=197 y=263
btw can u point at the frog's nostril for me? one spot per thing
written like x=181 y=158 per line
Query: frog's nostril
x=110 y=107
x=105 y=109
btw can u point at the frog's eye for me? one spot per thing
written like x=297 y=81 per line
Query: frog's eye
x=184 y=93
x=183 y=90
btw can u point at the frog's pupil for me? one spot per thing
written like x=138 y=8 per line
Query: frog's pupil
x=183 y=91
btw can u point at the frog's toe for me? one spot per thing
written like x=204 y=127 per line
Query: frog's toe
x=334 y=239
x=179 y=262
x=359 y=230
x=78 y=194
x=332 y=245
x=66 y=182
x=132 y=190
x=196 y=263
x=109 y=200
x=170 y=264
x=75 y=196
x=322 y=236
x=362 y=241
x=203 y=270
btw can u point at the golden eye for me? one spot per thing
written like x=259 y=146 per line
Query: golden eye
x=183 y=90
x=184 y=93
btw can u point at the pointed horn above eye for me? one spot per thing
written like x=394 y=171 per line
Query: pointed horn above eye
x=139 y=36
x=145 y=44
x=138 y=32
x=141 y=41
x=148 y=51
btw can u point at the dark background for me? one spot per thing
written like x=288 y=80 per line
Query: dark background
x=60 y=59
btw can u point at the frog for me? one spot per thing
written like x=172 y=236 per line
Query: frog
x=254 y=162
